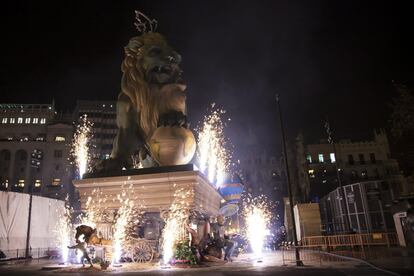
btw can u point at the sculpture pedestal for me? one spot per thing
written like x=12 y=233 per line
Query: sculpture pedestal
x=154 y=188
x=153 y=191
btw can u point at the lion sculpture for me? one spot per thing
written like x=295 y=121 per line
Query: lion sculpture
x=152 y=95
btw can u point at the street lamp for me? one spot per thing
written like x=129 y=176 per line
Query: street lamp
x=289 y=186
x=341 y=190
x=35 y=163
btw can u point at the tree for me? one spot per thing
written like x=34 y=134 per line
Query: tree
x=402 y=127
x=402 y=112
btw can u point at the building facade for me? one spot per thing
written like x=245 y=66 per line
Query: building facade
x=355 y=162
x=102 y=115
x=261 y=172
x=35 y=150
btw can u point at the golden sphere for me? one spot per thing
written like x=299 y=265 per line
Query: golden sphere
x=172 y=145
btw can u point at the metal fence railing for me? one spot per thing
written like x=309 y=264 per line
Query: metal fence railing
x=362 y=246
x=34 y=253
x=365 y=239
x=307 y=254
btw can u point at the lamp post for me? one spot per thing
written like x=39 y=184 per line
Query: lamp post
x=289 y=186
x=341 y=190
x=36 y=156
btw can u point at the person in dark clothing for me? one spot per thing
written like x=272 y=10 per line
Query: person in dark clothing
x=82 y=247
x=222 y=240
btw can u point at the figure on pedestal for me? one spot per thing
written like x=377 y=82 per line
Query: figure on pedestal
x=151 y=110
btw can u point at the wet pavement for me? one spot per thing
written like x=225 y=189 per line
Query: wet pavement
x=272 y=264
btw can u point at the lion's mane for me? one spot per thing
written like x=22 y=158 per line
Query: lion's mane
x=135 y=84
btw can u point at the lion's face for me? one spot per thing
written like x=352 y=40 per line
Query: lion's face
x=161 y=64
x=155 y=59
x=152 y=79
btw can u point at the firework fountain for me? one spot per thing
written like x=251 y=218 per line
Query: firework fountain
x=213 y=156
x=127 y=214
x=64 y=231
x=175 y=222
x=94 y=208
x=124 y=217
x=257 y=213
x=80 y=153
x=80 y=146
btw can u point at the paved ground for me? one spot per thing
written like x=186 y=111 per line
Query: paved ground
x=397 y=259
x=244 y=265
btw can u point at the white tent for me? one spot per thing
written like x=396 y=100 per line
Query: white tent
x=14 y=212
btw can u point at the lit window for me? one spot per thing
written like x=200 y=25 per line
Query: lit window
x=320 y=157
x=20 y=120
x=35 y=120
x=107 y=156
x=5 y=183
x=41 y=137
x=56 y=182
x=43 y=121
x=38 y=183
x=20 y=183
x=4 y=120
x=60 y=138
x=12 y=120
x=27 y=120
x=364 y=174
x=311 y=173
x=332 y=156
x=309 y=158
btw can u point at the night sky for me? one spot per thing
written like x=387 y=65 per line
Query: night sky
x=324 y=59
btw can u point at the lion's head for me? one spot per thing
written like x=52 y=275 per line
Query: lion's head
x=151 y=67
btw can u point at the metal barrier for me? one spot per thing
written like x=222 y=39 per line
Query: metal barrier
x=362 y=246
x=34 y=253
x=366 y=239
x=307 y=254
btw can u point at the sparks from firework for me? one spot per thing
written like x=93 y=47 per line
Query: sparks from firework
x=257 y=213
x=64 y=230
x=95 y=209
x=128 y=214
x=213 y=155
x=177 y=218
x=80 y=145
x=124 y=217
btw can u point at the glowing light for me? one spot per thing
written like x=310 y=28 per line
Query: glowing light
x=213 y=156
x=63 y=231
x=95 y=210
x=124 y=217
x=80 y=145
x=175 y=222
x=258 y=216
